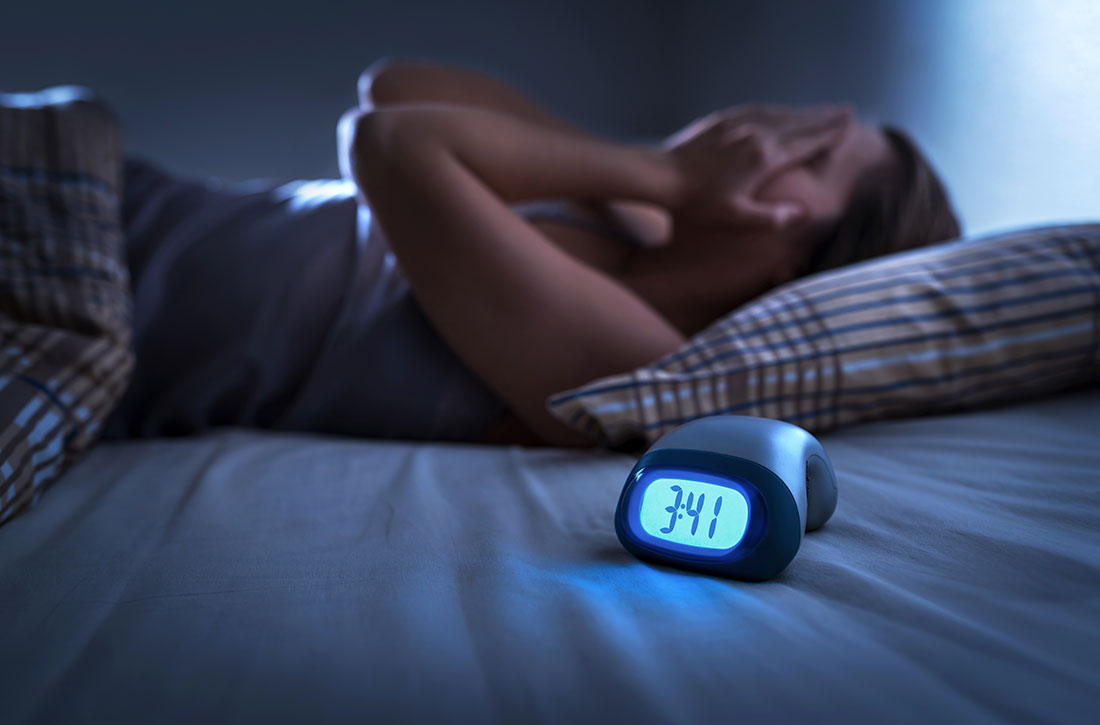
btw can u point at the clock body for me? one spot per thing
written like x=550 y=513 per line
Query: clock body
x=726 y=495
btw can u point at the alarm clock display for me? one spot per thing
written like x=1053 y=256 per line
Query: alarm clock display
x=717 y=510
x=727 y=495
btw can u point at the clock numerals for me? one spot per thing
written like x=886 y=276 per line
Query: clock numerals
x=679 y=505
x=694 y=513
x=674 y=509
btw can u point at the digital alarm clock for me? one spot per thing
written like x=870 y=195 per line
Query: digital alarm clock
x=729 y=495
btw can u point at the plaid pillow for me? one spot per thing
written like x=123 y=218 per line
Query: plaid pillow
x=64 y=286
x=970 y=323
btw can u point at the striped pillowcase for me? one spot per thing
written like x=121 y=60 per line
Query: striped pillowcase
x=961 y=325
x=65 y=356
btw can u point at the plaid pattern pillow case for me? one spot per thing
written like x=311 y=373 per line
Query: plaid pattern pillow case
x=65 y=356
x=969 y=323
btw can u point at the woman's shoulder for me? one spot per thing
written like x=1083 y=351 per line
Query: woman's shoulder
x=144 y=179
x=158 y=203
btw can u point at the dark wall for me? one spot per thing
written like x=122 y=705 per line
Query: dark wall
x=787 y=51
x=249 y=88
x=1002 y=95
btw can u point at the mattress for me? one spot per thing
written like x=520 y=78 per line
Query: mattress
x=249 y=575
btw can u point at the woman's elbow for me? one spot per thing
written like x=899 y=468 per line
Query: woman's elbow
x=374 y=81
x=382 y=81
x=552 y=432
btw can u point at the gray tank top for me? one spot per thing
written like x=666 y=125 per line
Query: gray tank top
x=283 y=307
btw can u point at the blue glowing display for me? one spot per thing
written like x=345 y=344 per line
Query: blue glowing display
x=694 y=513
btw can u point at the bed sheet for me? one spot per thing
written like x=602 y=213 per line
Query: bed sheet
x=249 y=575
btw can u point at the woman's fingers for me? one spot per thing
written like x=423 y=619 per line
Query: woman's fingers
x=800 y=148
x=775 y=153
x=812 y=127
x=728 y=156
x=748 y=210
x=788 y=120
x=793 y=137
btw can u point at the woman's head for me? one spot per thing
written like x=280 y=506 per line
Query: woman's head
x=871 y=194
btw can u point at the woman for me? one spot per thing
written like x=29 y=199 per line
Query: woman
x=470 y=299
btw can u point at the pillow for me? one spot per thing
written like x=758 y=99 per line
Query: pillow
x=965 y=324
x=64 y=287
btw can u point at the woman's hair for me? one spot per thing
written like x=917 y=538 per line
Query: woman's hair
x=901 y=208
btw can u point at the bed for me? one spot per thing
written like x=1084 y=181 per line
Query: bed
x=246 y=575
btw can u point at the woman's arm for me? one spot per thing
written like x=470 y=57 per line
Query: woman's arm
x=391 y=82
x=525 y=316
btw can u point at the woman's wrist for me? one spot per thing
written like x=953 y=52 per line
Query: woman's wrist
x=648 y=224
x=671 y=184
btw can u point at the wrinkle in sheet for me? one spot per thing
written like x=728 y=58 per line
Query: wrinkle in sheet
x=901 y=608
x=63 y=672
x=493 y=597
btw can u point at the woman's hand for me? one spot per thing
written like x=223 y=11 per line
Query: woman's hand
x=725 y=157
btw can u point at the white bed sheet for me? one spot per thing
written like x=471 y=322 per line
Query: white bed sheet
x=248 y=575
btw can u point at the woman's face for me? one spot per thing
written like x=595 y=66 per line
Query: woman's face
x=726 y=270
x=825 y=184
